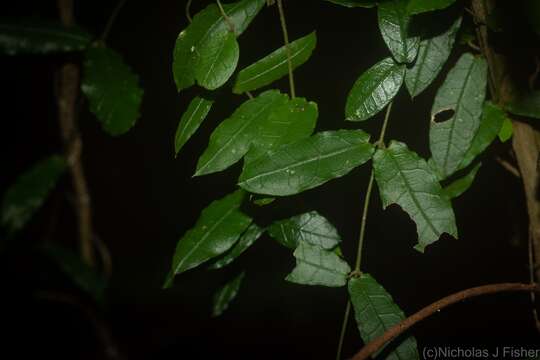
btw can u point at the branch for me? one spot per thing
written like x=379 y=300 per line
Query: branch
x=373 y=346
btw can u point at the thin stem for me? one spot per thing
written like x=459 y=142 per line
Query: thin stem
x=249 y=95
x=188 y=10
x=112 y=19
x=225 y=16
x=343 y=329
x=396 y=330
x=287 y=47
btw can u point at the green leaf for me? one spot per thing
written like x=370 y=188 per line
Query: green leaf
x=287 y=123
x=406 y=179
x=375 y=313
x=218 y=228
x=232 y=138
x=461 y=185
x=311 y=228
x=506 y=131
x=492 y=119
x=275 y=66
x=224 y=296
x=247 y=239
x=307 y=163
x=317 y=266
x=82 y=275
x=112 y=90
x=29 y=192
x=264 y=201
x=355 y=3
x=394 y=23
x=200 y=52
x=374 y=89
x=432 y=55
x=421 y=6
x=462 y=93
x=33 y=37
x=195 y=114
x=526 y=105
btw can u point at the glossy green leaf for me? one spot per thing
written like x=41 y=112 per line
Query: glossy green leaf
x=406 y=179
x=82 y=275
x=29 y=192
x=317 y=266
x=218 y=228
x=287 y=123
x=462 y=94
x=432 y=55
x=374 y=89
x=355 y=3
x=376 y=312
x=33 y=37
x=311 y=228
x=231 y=140
x=275 y=65
x=224 y=296
x=200 y=52
x=421 y=6
x=526 y=105
x=195 y=114
x=394 y=23
x=459 y=186
x=506 y=131
x=247 y=239
x=112 y=90
x=492 y=119
x=307 y=163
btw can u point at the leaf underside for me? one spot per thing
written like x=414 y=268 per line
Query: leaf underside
x=225 y=295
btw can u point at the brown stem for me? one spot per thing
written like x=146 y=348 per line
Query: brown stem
x=67 y=104
x=373 y=346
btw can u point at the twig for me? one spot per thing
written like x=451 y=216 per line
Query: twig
x=373 y=346
x=112 y=19
x=188 y=11
x=531 y=279
x=228 y=20
x=249 y=95
x=511 y=168
x=287 y=46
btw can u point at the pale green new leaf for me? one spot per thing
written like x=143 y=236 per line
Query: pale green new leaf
x=311 y=228
x=374 y=89
x=247 y=239
x=195 y=114
x=317 y=266
x=112 y=90
x=32 y=37
x=461 y=185
x=200 y=52
x=421 y=6
x=462 y=93
x=407 y=180
x=375 y=313
x=394 y=23
x=355 y=3
x=506 y=131
x=264 y=201
x=432 y=55
x=307 y=163
x=218 y=228
x=224 y=296
x=231 y=140
x=526 y=105
x=29 y=192
x=275 y=65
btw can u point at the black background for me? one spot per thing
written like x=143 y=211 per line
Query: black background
x=144 y=200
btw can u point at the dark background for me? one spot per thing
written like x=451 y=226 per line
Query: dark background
x=144 y=200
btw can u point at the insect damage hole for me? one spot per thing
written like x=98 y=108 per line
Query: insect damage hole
x=442 y=116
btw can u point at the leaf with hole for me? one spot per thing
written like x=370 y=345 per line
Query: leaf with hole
x=374 y=89
x=204 y=52
x=422 y=6
x=459 y=186
x=247 y=239
x=34 y=37
x=307 y=163
x=407 y=180
x=275 y=65
x=376 y=312
x=112 y=90
x=527 y=105
x=394 y=21
x=311 y=228
x=218 y=228
x=462 y=94
x=355 y=3
x=432 y=55
x=195 y=114
x=225 y=295
x=24 y=198
x=317 y=266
